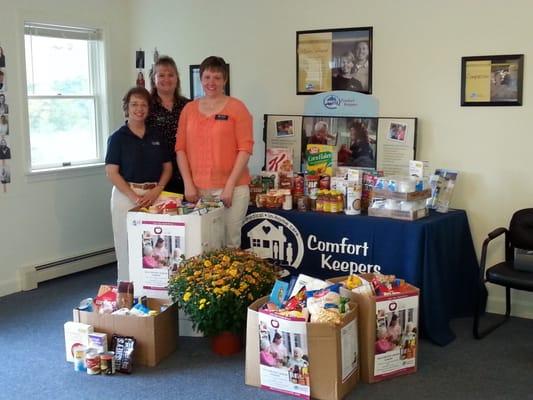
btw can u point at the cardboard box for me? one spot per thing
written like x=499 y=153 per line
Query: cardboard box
x=325 y=354
x=368 y=325
x=76 y=334
x=191 y=234
x=398 y=214
x=157 y=337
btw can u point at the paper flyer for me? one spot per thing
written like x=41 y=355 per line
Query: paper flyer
x=396 y=335
x=283 y=355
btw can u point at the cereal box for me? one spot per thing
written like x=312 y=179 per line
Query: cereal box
x=320 y=159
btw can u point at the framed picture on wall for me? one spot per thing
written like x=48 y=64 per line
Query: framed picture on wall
x=492 y=80
x=334 y=59
x=195 y=84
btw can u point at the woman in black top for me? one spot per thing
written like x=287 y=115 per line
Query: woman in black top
x=165 y=110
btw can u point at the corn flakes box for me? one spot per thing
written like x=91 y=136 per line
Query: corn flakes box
x=320 y=159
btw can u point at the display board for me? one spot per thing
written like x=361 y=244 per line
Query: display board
x=366 y=142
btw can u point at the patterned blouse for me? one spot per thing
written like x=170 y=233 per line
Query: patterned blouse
x=166 y=121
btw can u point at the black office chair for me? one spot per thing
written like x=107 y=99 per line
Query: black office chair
x=520 y=236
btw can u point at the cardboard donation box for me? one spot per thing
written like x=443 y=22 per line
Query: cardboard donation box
x=332 y=368
x=156 y=336
x=156 y=242
x=388 y=331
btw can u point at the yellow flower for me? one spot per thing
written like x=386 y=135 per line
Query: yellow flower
x=201 y=306
x=226 y=259
x=232 y=272
x=187 y=296
x=207 y=263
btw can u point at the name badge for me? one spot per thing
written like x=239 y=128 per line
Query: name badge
x=221 y=117
x=156 y=144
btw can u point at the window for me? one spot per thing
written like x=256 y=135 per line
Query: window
x=65 y=93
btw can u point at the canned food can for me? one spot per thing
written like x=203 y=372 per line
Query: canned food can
x=79 y=358
x=107 y=363
x=92 y=362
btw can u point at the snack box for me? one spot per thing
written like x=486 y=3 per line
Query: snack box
x=157 y=336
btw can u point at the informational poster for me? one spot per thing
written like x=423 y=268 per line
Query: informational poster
x=155 y=249
x=396 y=335
x=283 y=355
x=396 y=145
x=285 y=131
x=386 y=144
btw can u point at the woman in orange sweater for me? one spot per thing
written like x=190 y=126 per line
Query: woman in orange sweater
x=213 y=145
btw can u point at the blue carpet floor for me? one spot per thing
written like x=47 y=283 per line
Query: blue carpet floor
x=33 y=366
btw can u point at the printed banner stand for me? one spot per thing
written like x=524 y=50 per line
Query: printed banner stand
x=342 y=103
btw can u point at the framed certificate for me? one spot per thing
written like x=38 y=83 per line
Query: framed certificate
x=492 y=80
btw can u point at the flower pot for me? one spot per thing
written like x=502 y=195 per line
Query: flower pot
x=226 y=343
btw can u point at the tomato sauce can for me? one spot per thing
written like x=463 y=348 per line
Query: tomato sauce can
x=92 y=361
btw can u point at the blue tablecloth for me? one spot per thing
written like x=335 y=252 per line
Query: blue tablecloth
x=435 y=253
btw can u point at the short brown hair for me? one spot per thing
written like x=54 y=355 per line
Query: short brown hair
x=216 y=64
x=135 y=91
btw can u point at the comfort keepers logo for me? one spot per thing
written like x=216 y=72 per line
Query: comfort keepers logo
x=332 y=102
x=272 y=236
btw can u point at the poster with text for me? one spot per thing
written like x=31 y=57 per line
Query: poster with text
x=396 y=335
x=396 y=145
x=283 y=355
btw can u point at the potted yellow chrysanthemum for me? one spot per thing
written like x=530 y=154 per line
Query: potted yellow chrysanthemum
x=216 y=288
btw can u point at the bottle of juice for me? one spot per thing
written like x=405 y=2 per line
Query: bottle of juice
x=327 y=201
x=340 y=201
x=333 y=201
x=320 y=201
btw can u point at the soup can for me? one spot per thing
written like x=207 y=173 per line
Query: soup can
x=107 y=363
x=92 y=361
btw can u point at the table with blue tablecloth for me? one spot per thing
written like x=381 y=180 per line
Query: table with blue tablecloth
x=435 y=253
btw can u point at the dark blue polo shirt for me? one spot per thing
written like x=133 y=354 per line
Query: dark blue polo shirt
x=139 y=160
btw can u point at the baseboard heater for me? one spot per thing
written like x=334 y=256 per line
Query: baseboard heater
x=31 y=276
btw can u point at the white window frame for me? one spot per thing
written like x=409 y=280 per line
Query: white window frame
x=98 y=87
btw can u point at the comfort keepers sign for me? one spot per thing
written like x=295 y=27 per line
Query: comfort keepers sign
x=319 y=251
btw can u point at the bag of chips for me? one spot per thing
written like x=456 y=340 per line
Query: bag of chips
x=124 y=347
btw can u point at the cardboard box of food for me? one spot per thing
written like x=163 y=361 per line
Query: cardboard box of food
x=380 y=360
x=156 y=336
x=333 y=354
x=188 y=235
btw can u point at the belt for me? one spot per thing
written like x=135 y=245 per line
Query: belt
x=143 y=186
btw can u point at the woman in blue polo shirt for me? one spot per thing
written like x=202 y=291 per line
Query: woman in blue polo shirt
x=139 y=166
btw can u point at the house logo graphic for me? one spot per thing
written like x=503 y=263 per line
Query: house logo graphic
x=272 y=236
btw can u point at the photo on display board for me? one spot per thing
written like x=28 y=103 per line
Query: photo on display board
x=4 y=108
x=2 y=58
x=5 y=151
x=5 y=174
x=334 y=59
x=4 y=125
x=354 y=139
x=3 y=80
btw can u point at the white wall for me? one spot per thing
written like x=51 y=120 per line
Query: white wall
x=44 y=221
x=418 y=45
